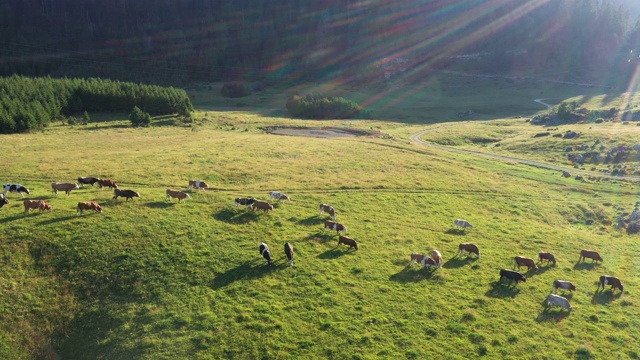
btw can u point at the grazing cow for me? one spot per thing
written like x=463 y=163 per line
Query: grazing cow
x=348 y=241
x=332 y=225
x=429 y=262
x=261 y=205
x=266 y=254
x=90 y=180
x=197 y=184
x=512 y=275
x=524 y=261
x=16 y=188
x=36 y=204
x=129 y=194
x=107 y=183
x=470 y=248
x=462 y=223
x=328 y=209
x=245 y=201
x=288 y=250
x=180 y=195
x=610 y=280
x=564 y=285
x=66 y=187
x=3 y=201
x=418 y=258
x=88 y=205
x=546 y=256
x=279 y=196
x=553 y=299
x=437 y=257
x=590 y=254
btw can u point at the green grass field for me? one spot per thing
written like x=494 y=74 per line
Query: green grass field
x=153 y=279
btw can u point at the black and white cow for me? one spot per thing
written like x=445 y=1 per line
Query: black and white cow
x=3 y=201
x=610 y=280
x=16 y=188
x=245 y=201
x=288 y=250
x=266 y=254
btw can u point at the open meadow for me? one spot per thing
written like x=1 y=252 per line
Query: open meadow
x=157 y=279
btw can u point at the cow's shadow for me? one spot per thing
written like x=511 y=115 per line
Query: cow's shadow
x=454 y=231
x=457 y=262
x=552 y=315
x=500 y=289
x=319 y=237
x=333 y=253
x=311 y=221
x=411 y=273
x=603 y=297
x=57 y=220
x=585 y=265
x=248 y=270
x=159 y=204
x=12 y=218
x=234 y=217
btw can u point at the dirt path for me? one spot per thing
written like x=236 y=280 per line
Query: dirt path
x=416 y=139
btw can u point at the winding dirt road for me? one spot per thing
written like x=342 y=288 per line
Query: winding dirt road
x=416 y=139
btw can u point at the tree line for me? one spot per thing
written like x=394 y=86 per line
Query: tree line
x=31 y=103
x=167 y=41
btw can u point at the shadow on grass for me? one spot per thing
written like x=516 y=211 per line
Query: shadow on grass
x=583 y=266
x=604 y=297
x=310 y=221
x=453 y=231
x=501 y=289
x=332 y=254
x=552 y=315
x=159 y=204
x=248 y=270
x=320 y=238
x=412 y=274
x=233 y=217
x=57 y=220
x=457 y=262
x=12 y=218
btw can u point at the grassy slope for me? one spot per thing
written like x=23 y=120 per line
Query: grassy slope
x=152 y=279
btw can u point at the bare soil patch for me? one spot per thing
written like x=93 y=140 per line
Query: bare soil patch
x=324 y=132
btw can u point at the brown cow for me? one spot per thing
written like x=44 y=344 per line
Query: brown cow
x=418 y=258
x=590 y=254
x=180 y=195
x=324 y=208
x=198 y=184
x=88 y=205
x=261 y=205
x=610 y=280
x=107 y=183
x=66 y=187
x=36 y=204
x=470 y=248
x=348 y=241
x=524 y=261
x=332 y=225
x=564 y=285
x=546 y=256
x=437 y=257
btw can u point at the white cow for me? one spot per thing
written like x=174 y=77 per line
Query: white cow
x=276 y=195
x=462 y=223
x=557 y=300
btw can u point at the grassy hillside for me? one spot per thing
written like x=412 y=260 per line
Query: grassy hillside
x=153 y=279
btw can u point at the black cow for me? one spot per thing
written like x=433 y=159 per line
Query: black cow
x=288 y=250
x=90 y=180
x=3 y=201
x=266 y=254
x=129 y=194
x=512 y=275
x=610 y=280
x=245 y=201
x=16 y=188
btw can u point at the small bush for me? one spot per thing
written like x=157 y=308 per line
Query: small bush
x=72 y=120
x=235 y=89
x=139 y=118
x=324 y=107
x=599 y=120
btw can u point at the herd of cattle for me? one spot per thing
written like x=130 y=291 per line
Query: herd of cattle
x=432 y=261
